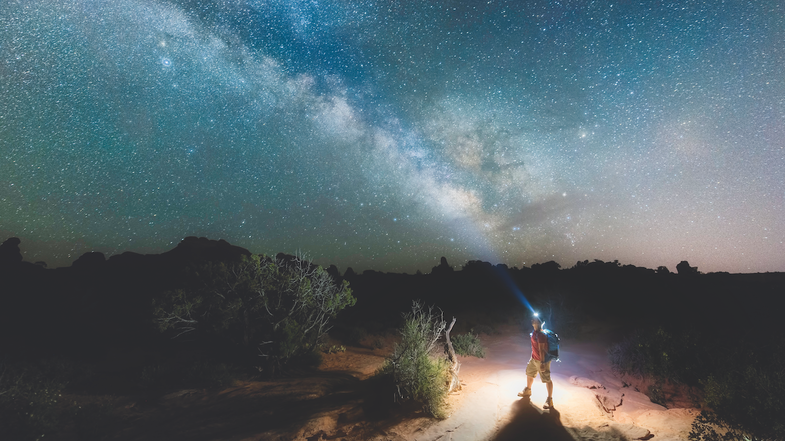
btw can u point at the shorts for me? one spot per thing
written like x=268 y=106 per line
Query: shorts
x=533 y=368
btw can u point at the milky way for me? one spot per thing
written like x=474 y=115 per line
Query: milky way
x=384 y=135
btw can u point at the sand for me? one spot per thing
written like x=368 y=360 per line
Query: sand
x=591 y=403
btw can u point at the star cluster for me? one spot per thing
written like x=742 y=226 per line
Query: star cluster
x=385 y=134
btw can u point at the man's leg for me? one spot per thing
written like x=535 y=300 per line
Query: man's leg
x=528 y=391
x=531 y=372
x=546 y=377
x=549 y=400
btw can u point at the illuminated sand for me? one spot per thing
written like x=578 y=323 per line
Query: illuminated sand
x=337 y=404
x=491 y=409
x=488 y=406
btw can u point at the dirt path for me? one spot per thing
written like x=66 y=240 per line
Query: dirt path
x=590 y=401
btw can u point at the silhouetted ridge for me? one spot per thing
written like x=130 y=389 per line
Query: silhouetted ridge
x=10 y=254
x=98 y=303
x=442 y=268
x=92 y=259
x=202 y=249
x=95 y=303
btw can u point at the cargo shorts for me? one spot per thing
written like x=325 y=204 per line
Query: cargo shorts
x=533 y=368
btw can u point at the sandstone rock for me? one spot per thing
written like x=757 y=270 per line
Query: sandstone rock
x=632 y=432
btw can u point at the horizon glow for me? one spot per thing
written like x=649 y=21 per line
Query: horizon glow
x=384 y=135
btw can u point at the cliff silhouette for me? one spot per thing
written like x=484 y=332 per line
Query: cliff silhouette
x=98 y=303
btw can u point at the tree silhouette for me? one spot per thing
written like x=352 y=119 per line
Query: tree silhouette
x=278 y=306
x=684 y=268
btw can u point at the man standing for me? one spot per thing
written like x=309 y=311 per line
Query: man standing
x=539 y=362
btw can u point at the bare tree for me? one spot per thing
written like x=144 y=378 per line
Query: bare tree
x=455 y=365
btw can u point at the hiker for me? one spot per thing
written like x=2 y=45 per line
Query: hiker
x=539 y=362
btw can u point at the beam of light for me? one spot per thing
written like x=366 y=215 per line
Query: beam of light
x=504 y=276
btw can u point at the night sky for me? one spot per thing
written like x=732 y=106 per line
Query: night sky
x=386 y=134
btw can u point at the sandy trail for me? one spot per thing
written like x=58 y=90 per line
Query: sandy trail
x=590 y=401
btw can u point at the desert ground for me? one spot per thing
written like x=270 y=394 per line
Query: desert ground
x=338 y=402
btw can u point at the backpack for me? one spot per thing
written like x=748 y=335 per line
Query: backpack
x=553 y=345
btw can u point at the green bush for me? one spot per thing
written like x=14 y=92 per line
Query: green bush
x=747 y=399
x=468 y=345
x=419 y=373
x=278 y=308
x=709 y=427
x=307 y=360
x=334 y=349
x=656 y=393
x=357 y=335
x=628 y=357
x=671 y=355
x=741 y=376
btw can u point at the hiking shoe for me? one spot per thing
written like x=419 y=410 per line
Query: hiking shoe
x=526 y=393
x=548 y=403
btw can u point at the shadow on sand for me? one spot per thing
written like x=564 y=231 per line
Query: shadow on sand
x=530 y=422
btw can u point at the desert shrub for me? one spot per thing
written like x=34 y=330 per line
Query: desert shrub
x=468 y=345
x=420 y=373
x=279 y=308
x=29 y=396
x=742 y=381
x=747 y=399
x=661 y=354
x=334 y=349
x=656 y=393
x=306 y=360
x=357 y=335
x=706 y=425
x=709 y=427
x=627 y=357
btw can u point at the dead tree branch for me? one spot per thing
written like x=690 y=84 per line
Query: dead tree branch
x=455 y=366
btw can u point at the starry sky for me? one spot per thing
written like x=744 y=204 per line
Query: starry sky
x=383 y=134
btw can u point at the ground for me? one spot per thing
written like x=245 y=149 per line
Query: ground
x=339 y=403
